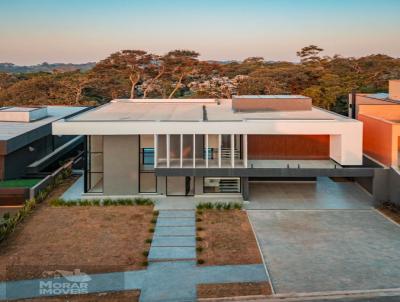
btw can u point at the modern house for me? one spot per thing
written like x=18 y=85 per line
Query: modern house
x=26 y=142
x=380 y=114
x=208 y=147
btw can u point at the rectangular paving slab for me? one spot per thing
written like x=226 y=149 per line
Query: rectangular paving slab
x=175 y=231
x=172 y=253
x=174 y=241
x=177 y=214
x=166 y=221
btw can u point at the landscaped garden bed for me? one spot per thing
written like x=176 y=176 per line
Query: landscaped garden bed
x=89 y=237
x=225 y=237
x=233 y=289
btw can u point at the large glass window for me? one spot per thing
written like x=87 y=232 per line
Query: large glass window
x=94 y=165
x=221 y=185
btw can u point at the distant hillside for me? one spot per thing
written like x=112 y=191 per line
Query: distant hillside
x=44 y=67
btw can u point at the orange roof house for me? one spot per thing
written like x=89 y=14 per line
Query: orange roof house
x=380 y=114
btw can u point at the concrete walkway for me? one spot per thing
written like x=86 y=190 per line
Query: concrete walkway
x=75 y=191
x=162 y=281
x=174 y=237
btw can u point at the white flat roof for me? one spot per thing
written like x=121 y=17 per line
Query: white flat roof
x=188 y=111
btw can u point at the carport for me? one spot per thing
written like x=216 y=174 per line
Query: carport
x=324 y=193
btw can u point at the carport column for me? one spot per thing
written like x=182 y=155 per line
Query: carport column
x=155 y=149
x=245 y=150
x=181 y=151
x=206 y=142
x=194 y=151
x=245 y=188
x=219 y=150
x=168 y=137
x=232 y=150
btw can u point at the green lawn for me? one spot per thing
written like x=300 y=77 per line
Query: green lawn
x=19 y=183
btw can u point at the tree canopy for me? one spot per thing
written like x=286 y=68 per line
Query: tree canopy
x=180 y=74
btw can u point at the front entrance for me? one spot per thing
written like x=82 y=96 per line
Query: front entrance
x=180 y=185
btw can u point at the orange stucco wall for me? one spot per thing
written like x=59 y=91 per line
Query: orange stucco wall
x=381 y=132
x=377 y=139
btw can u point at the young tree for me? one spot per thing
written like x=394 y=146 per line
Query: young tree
x=180 y=64
x=129 y=64
x=310 y=54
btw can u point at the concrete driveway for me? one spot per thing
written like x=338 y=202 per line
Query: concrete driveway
x=322 y=194
x=328 y=250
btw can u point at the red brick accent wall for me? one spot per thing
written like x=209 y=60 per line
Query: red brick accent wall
x=288 y=147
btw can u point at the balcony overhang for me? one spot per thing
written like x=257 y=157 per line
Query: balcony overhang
x=267 y=172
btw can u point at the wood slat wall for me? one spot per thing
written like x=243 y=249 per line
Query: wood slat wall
x=13 y=196
x=288 y=147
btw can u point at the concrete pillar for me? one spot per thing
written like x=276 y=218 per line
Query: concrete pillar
x=206 y=142
x=219 y=150
x=168 y=150
x=245 y=188
x=245 y=150
x=155 y=150
x=232 y=150
x=181 y=151
x=194 y=150
x=381 y=186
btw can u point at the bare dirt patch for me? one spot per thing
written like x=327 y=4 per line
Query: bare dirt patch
x=233 y=289
x=128 y=296
x=227 y=238
x=92 y=238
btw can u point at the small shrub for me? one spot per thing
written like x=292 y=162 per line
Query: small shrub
x=200 y=261
x=144 y=201
x=156 y=212
x=154 y=221
x=200 y=229
x=199 y=212
x=145 y=263
x=198 y=238
x=149 y=240
x=107 y=202
x=199 y=220
x=6 y=216
x=145 y=253
x=151 y=230
x=199 y=249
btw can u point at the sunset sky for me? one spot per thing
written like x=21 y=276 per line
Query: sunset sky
x=33 y=31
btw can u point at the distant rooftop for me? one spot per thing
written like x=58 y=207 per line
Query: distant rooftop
x=16 y=133
x=18 y=109
x=271 y=96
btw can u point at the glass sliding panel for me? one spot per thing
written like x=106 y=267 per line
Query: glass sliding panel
x=221 y=185
x=187 y=151
x=162 y=151
x=94 y=167
x=180 y=185
x=175 y=150
x=200 y=143
x=213 y=142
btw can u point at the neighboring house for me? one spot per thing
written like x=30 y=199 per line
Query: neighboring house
x=26 y=142
x=207 y=147
x=380 y=114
